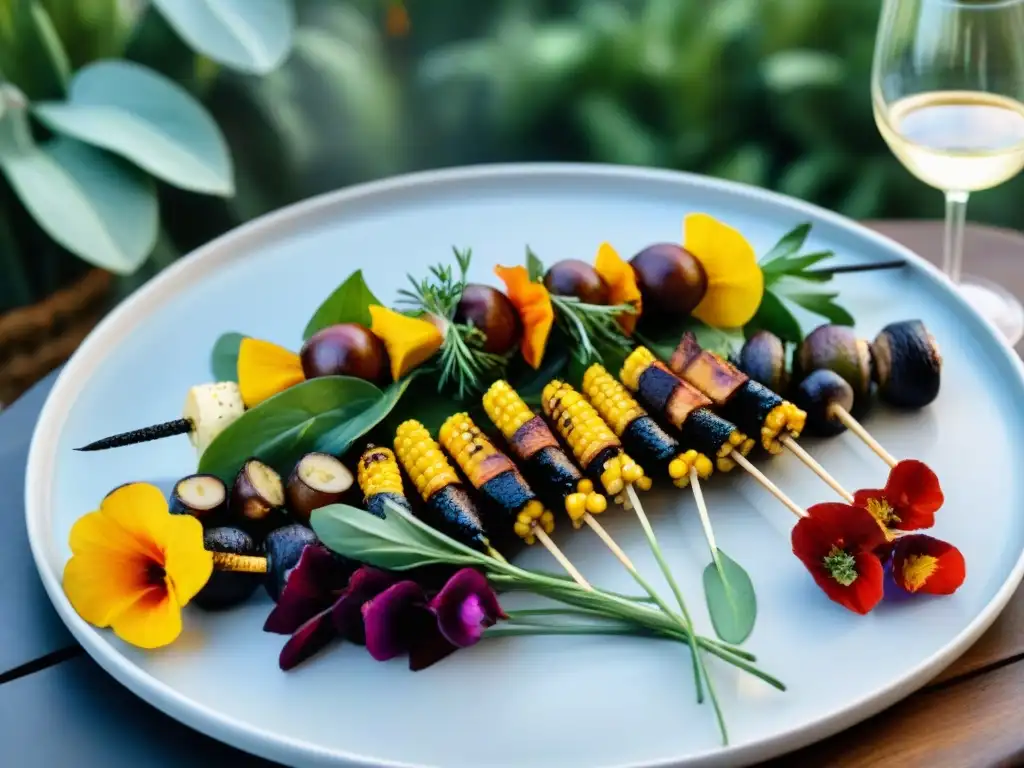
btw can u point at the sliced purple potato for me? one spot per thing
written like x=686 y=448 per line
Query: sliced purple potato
x=226 y=589
x=763 y=358
x=816 y=395
x=258 y=491
x=318 y=480
x=283 y=547
x=203 y=496
x=908 y=364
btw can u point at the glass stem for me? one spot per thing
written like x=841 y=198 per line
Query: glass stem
x=953 y=251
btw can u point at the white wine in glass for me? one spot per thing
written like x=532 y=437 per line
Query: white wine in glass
x=947 y=89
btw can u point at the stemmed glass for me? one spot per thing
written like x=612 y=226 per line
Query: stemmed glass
x=947 y=85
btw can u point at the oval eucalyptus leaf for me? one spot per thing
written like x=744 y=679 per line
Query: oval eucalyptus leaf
x=732 y=603
x=350 y=303
x=139 y=114
x=224 y=357
x=92 y=203
x=340 y=439
x=249 y=35
x=281 y=429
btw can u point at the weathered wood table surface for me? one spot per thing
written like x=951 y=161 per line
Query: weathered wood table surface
x=58 y=708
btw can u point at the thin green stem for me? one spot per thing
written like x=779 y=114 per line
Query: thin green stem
x=523 y=630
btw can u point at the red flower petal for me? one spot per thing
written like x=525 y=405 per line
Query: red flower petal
x=914 y=492
x=929 y=565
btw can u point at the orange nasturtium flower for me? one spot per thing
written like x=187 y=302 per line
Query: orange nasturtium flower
x=410 y=341
x=618 y=274
x=134 y=566
x=533 y=303
x=735 y=279
x=265 y=369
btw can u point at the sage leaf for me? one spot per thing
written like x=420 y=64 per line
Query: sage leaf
x=788 y=244
x=350 y=303
x=793 y=265
x=224 y=357
x=92 y=203
x=282 y=428
x=822 y=304
x=730 y=596
x=148 y=119
x=253 y=36
x=534 y=266
x=773 y=315
x=341 y=438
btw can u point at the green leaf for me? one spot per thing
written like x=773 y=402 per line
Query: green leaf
x=730 y=596
x=790 y=243
x=534 y=266
x=253 y=36
x=822 y=304
x=139 y=114
x=224 y=357
x=794 y=70
x=350 y=303
x=92 y=203
x=31 y=53
x=774 y=316
x=791 y=265
x=281 y=429
x=340 y=439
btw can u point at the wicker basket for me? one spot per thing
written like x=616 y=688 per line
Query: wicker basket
x=36 y=339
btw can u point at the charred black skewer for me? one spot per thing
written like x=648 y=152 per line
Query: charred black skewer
x=144 y=435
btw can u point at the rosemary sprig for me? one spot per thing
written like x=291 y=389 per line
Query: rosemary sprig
x=590 y=325
x=462 y=362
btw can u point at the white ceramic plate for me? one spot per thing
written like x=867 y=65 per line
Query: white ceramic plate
x=543 y=702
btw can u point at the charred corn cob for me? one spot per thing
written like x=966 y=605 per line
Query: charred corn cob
x=591 y=440
x=638 y=431
x=752 y=406
x=380 y=480
x=685 y=408
x=558 y=480
x=493 y=474
x=448 y=505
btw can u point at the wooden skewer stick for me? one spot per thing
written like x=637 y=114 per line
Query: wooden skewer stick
x=559 y=555
x=855 y=426
x=609 y=542
x=791 y=505
x=702 y=511
x=815 y=467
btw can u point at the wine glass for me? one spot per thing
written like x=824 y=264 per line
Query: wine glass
x=947 y=85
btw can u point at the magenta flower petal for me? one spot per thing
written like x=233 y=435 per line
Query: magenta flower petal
x=430 y=646
x=312 y=586
x=465 y=607
x=308 y=639
x=392 y=619
x=365 y=584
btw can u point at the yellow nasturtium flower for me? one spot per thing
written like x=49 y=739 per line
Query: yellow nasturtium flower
x=735 y=280
x=410 y=341
x=265 y=369
x=620 y=278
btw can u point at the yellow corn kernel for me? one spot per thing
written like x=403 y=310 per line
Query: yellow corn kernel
x=645 y=483
x=596 y=503
x=611 y=399
x=576 y=507
x=585 y=486
x=469 y=447
x=505 y=408
x=576 y=420
x=703 y=466
x=377 y=472
x=547 y=521
x=634 y=366
x=423 y=459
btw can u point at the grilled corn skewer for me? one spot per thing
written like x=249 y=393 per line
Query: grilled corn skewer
x=380 y=480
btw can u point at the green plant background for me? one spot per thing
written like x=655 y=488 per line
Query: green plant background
x=769 y=92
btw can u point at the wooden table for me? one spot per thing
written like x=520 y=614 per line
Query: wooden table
x=57 y=708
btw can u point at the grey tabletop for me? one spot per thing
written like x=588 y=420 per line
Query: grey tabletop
x=58 y=708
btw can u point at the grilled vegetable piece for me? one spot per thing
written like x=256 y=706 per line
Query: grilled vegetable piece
x=763 y=358
x=751 y=406
x=318 y=480
x=837 y=348
x=284 y=548
x=817 y=394
x=203 y=496
x=493 y=474
x=449 y=507
x=591 y=440
x=380 y=480
x=228 y=588
x=640 y=434
x=558 y=480
x=212 y=408
x=908 y=364
x=257 y=493
x=684 y=408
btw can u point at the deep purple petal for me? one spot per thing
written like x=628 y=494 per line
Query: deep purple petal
x=365 y=584
x=307 y=640
x=392 y=619
x=430 y=645
x=311 y=587
x=465 y=606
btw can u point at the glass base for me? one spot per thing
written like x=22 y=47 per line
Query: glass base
x=996 y=304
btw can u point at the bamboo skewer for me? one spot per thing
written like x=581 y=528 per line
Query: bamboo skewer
x=812 y=463
x=855 y=426
x=758 y=475
x=606 y=537
x=702 y=511
x=559 y=555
